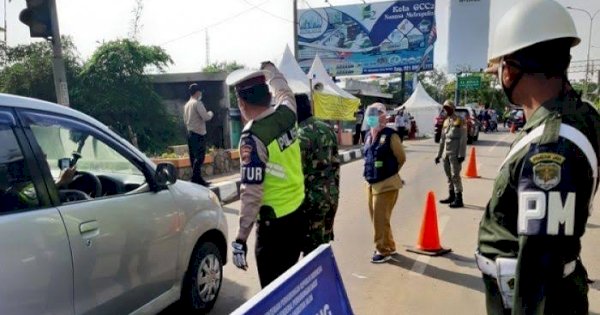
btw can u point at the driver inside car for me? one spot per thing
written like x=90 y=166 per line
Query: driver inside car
x=26 y=194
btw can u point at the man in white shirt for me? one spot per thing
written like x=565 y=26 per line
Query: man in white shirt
x=195 y=117
x=401 y=122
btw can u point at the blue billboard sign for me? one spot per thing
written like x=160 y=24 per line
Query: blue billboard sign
x=312 y=286
x=381 y=37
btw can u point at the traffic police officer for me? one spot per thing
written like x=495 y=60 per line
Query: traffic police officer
x=321 y=167
x=384 y=157
x=453 y=148
x=272 y=187
x=529 y=237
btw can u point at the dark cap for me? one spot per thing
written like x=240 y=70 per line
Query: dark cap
x=193 y=88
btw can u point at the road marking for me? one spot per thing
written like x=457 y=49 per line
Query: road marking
x=498 y=142
x=421 y=262
x=359 y=276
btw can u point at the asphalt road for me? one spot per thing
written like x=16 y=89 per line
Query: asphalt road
x=410 y=283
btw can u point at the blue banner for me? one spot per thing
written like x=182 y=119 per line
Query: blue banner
x=380 y=37
x=313 y=286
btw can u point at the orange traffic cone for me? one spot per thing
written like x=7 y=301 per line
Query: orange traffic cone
x=429 y=238
x=472 y=166
x=513 y=127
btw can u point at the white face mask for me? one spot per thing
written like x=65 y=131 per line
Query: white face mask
x=200 y=97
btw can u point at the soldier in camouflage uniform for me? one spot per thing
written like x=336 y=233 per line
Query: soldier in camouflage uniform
x=453 y=148
x=530 y=235
x=321 y=166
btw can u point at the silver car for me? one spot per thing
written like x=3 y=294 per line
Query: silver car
x=122 y=236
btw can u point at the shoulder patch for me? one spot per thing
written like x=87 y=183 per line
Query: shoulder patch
x=253 y=169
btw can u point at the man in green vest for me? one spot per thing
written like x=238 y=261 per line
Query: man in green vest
x=272 y=187
x=530 y=235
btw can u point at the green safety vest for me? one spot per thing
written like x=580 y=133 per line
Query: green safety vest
x=283 y=186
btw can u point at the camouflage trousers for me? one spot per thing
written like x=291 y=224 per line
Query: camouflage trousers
x=319 y=229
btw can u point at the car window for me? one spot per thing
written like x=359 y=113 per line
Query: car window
x=101 y=170
x=463 y=113
x=16 y=186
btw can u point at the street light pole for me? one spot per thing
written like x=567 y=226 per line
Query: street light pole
x=587 y=66
x=295 y=4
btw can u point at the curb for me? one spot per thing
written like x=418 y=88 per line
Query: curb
x=229 y=191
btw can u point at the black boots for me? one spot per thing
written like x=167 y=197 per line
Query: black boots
x=458 y=201
x=450 y=198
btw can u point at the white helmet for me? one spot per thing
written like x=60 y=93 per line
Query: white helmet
x=528 y=23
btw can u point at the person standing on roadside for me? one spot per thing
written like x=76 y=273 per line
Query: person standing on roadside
x=453 y=148
x=272 y=189
x=401 y=123
x=384 y=157
x=321 y=168
x=529 y=245
x=195 y=117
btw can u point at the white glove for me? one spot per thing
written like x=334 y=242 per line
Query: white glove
x=239 y=254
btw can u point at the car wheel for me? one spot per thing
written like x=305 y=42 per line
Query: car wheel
x=203 y=279
x=469 y=140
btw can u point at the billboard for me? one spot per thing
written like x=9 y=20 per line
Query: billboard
x=468 y=33
x=381 y=37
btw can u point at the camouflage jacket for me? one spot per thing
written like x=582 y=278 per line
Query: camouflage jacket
x=321 y=166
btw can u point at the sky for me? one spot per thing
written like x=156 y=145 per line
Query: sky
x=245 y=31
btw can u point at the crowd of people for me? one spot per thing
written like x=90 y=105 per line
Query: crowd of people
x=529 y=237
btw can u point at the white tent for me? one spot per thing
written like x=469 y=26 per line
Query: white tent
x=297 y=79
x=319 y=74
x=423 y=108
x=331 y=102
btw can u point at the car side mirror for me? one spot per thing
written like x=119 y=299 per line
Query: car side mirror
x=166 y=173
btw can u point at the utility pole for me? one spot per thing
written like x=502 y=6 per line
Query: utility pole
x=5 y=26
x=58 y=63
x=295 y=24
x=207 y=48
x=587 y=66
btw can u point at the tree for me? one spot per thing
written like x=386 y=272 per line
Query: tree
x=26 y=70
x=115 y=90
x=136 y=21
x=223 y=66
x=227 y=67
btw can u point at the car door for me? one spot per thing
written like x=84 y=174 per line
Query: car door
x=124 y=239
x=36 y=272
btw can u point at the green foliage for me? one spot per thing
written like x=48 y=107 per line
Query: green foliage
x=223 y=66
x=27 y=69
x=115 y=90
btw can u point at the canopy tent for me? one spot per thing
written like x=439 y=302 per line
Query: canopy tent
x=297 y=79
x=330 y=101
x=423 y=108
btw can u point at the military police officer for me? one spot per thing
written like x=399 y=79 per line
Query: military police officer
x=272 y=187
x=530 y=234
x=321 y=167
x=453 y=148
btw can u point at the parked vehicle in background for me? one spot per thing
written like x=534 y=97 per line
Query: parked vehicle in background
x=468 y=114
x=121 y=236
x=517 y=117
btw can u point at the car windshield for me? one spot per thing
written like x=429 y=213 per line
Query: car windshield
x=95 y=155
x=462 y=113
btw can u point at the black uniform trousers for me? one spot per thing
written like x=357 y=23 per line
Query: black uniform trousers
x=568 y=298
x=197 y=150
x=278 y=244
